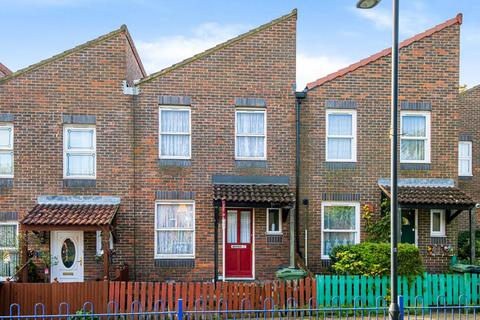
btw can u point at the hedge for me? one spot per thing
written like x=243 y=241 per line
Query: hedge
x=373 y=259
x=464 y=245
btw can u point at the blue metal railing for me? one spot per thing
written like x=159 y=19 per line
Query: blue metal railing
x=292 y=311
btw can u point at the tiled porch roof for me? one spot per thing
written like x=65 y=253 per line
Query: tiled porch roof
x=430 y=195
x=279 y=193
x=71 y=215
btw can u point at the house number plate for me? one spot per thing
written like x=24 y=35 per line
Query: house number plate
x=238 y=246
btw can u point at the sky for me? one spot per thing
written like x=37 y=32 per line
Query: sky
x=331 y=34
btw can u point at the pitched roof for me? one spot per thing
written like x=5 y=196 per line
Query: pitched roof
x=4 y=69
x=218 y=47
x=279 y=193
x=385 y=52
x=68 y=52
x=430 y=195
x=71 y=215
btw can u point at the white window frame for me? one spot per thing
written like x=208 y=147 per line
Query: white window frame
x=356 y=205
x=174 y=256
x=10 y=249
x=67 y=151
x=427 y=139
x=264 y=135
x=353 y=137
x=99 y=242
x=280 y=230
x=469 y=159
x=8 y=149
x=174 y=108
x=443 y=222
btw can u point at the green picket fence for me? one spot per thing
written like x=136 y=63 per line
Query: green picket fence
x=426 y=290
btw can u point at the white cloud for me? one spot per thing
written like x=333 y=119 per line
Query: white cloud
x=167 y=50
x=311 y=67
x=412 y=20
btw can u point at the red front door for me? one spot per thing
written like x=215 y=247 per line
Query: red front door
x=238 y=244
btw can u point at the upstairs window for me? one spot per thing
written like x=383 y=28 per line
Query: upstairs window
x=175 y=230
x=8 y=249
x=80 y=153
x=250 y=135
x=175 y=137
x=341 y=135
x=415 y=137
x=6 y=151
x=465 y=158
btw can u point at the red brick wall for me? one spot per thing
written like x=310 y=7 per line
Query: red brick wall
x=469 y=126
x=429 y=71
x=89 y=82
x=261 y=65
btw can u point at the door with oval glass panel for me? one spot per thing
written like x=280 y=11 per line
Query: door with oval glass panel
x=238 y=244
x=67 y=256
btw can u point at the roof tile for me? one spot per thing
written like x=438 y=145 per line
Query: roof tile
x=70 y=215
x=431 y=195
x=253 y=193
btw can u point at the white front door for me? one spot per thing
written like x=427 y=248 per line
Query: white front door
x=67 y=256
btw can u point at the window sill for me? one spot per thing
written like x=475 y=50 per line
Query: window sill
x=415 y=166
x=251 y=164
x=79 y=183
x=465 y=177
x=332 y=165
x=175 y=263
x=174 y=162
x=6 y=183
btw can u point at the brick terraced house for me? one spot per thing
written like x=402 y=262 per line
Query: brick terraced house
x=345 y=149
x=191 y=173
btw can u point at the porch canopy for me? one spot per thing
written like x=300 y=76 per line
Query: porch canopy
x=80 y=213
x=430 y=194
x=414 y=193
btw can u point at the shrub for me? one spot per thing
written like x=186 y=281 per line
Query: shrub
x=464 y=245
x=373 y=259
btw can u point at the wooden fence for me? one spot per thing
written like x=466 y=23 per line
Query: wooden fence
x=51 y=295
x=161 y=296
x=429 y=289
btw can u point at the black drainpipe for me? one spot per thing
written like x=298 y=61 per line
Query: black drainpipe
x=299 y=96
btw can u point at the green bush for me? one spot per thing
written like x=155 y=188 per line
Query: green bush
x=464 y=245
x=373 y=259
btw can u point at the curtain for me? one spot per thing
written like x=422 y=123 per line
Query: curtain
x=8 y=236
x=412 y=149
x=175 y=133
x=245 y=227
x=339 y=218
x=251 y=147
x=414 y=126
x=175 y=121
x=232 y=227
x=8 y=263
x=340 y=124
x=274 y=220
x=80 y=139
x=6 y=162
x=333 y=239
x=339 y=148
x=80 y=164
x=5 y=137
x=249 y=126
x=175 y=216
x=175 y=242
